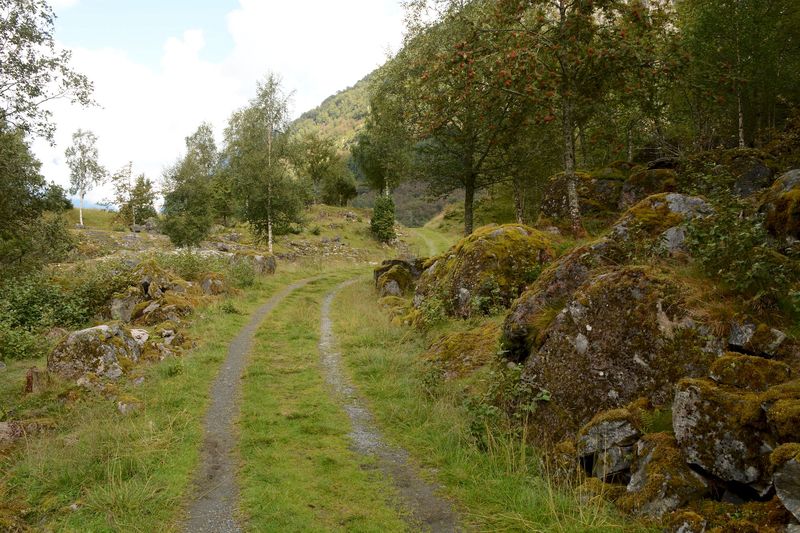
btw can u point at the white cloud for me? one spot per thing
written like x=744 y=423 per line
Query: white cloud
x=318 y=47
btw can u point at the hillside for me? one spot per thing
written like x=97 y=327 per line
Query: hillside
x=340 y=115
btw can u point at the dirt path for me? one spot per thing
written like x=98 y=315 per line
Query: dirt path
x=216 y=491
x=425 y=508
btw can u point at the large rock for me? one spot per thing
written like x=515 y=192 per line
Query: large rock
x=395 y=277
x=123 y=304
x=528 y=315
x=623 y=335
x=155 y=281
x=723 y=431
x=605 y=444
x=661 y=481
x=486 y=270
x=747 y=336
x=598 y=192
x=105 y=351
x=787 y=477
x=782 y=206
x=659 y=221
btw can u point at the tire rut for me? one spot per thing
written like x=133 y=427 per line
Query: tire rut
x=213 y=508
x=426 y=509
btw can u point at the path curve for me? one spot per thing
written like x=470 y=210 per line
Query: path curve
x=216 y=493
x=426 y=509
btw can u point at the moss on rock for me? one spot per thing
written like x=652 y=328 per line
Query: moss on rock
x=460 y=353
x=486 y=270
x=748 y=372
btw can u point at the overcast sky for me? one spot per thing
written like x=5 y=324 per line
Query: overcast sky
x=161 y=67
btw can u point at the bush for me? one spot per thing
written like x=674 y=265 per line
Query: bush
x=382 y=223
x=242 y=273
x=735 y=248
x=191 y=266
x=17 y=343
x=33 y=303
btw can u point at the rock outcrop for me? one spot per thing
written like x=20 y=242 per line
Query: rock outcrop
x=781 y=204
x=105 y=351
x=622 y=335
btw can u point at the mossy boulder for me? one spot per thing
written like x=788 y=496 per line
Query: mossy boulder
x=605 y=444
x=786 y=477
x=170 y=307
x=533 y=311
x=756 y=338
x=645 y=183
x=396 y=281
x=155 y=281
x=105 y=351
x=459 y=353
x=213 y=284
x=124 y=303
x=623 y=335
x=748 y=372
x=724 y=431
x=781 y=204
x=486 y=270
x=659 y=221
x=661 y=481
x=598 y=192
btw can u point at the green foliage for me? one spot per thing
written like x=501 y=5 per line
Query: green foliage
x=18 y=343
x=85 y=171
x=242 y=274
x=339 y=116
x=134 y=198
x=33 y=303
x=188 y=214
x=258 y=153
x=382 y=222
x=34 y=70
x=191 y=266
x=506 y=406
x=735 y=248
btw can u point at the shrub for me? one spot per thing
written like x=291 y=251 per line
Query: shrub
x=242 y=273
x=735 y=248
x=34 y=302
x=18 y=343
x=191 y=266
x=382 y=223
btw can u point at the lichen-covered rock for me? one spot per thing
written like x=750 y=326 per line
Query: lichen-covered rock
x=787 y=477
x=413 y=267
x=781 y=404
x=124 y=303
x=265 y=264
x=782 y=206
x=105 y=351
x=213 y=285
x=659 y=219
x=170 y=307
x=760 y=339
x=749 y=372
x=605 y=444
x=155 y=281
x=396 y=281
x=723 y=431
x=661 y=481
x=486 y=270
x=623 y=335
x=687 y=522
x=598 y=192
x=531 y=313
x=645 y=183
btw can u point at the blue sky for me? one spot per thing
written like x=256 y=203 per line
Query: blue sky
x=142 y=26
x=161 y=68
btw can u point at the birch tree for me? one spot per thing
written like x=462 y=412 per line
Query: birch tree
x=86 y=171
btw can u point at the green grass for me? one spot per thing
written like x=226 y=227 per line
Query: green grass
x=502 y=489
x=124 y=473
x=427 y=242
x=298 y=471
x=96 y=219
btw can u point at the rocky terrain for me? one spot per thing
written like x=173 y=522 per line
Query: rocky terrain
x=667 y=387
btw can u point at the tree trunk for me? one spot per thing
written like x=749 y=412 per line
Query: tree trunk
x=629 y=135
x=469 y=200
x=569 y=172
x=519 y=201
x=269 y=189
x=80 y=212
x=741 y=118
